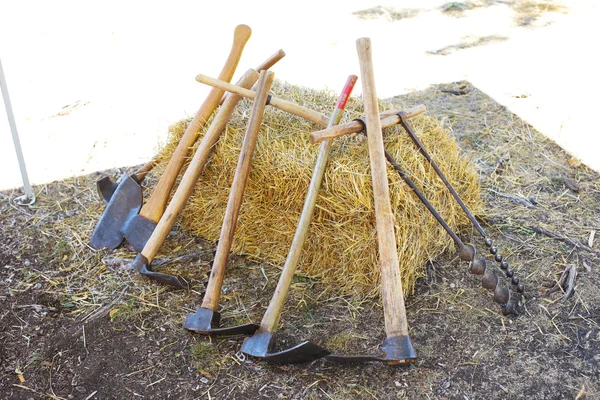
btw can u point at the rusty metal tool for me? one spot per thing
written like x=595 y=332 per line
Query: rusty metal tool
x=466 y=252
x=206 y=319
x=124 y=216
x=186 y=186
x=397 y=347
x=262 y=343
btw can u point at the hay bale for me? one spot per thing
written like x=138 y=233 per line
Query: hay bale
x=341 y=247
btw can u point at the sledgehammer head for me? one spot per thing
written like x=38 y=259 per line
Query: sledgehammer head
x=121 y=219
x=206 y=322
x=262 y=344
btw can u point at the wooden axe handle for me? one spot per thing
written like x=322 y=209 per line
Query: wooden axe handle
x=155 y=206
x=193 y=171
x=213 y=289
x=283 y=105
x=391 y=284
x=268 y=63
x=388 y=118
x=271 y=318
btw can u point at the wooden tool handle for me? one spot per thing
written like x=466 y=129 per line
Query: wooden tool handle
x=271 y=318
x=155 y=206
x=268 y=63
x=284 y=105
x=388 y=118
x=193 y=171
x=391 y=284
x=141 y=173
x=213 y=289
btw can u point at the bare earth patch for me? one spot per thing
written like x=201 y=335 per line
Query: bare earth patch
x=76 y=324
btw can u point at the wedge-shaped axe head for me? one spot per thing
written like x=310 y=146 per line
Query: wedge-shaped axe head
x=121 y=219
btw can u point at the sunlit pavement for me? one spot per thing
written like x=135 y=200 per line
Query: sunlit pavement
x=125 y=70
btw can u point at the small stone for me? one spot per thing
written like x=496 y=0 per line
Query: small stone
x=452 y=285
x=398 y=384
x=204 y=380
x=150 y=362
x=27 y=263
x=80 y=389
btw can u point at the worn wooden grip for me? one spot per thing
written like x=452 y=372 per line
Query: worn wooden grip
x=391 y=284
x=388 y=118
x=283 y=105
x=193 y=171
x=155 y=206
x=213 y=289
x=271 y=318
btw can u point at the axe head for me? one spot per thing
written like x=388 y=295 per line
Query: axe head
x=106 y=188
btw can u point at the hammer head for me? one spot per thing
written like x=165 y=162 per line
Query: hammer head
x=121 y=219
x=262 y=343
x=395 y=350
x=206 y=322
x=140 y=264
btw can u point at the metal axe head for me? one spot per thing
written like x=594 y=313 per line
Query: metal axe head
x=206 y=322
x=121 y=219
x=262 y=344
x=106 y=188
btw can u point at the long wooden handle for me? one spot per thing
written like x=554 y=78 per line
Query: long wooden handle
x=155 y=206
x=271 y=318
x=193 y=171
x=213 y=289
x=391 y=284
x=388 y=118
x=268 y=63
x=283 y=105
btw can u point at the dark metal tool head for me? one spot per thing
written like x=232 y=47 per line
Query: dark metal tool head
x=262 y=344
x=395 y=350
x=121 y=219
x=140 y=264
x=106 y=188
x=206 y=322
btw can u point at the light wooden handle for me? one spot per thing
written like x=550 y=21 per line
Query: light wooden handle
x=141 y=173
x=391 y=284
x=193 y=171
x=155 y=206
x=283 y=105
x=271 y=318
x=213 y=289
x=388 y=118
x=268 y=63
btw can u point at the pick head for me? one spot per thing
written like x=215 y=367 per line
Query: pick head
x=206 y=322
x=262 y=343
x=106 y=188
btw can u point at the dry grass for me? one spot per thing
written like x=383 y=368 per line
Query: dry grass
x=341 y=248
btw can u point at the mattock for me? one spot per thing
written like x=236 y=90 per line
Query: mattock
x=262 y=343
x=190 y=178
x=206 y=319
x=397 y=347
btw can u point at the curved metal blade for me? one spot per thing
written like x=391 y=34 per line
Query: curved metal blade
x=261 y=345
x=395 y=350
x=206 y=322
x=124 y=205
x=140 y=264
x=106 y=188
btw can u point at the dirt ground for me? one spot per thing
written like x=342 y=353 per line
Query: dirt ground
x=77 y=324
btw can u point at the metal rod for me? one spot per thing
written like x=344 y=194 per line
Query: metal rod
x=29 y=195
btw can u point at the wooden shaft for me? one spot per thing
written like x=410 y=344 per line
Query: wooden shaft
x=213 y=289
x=271 y=318
x=391 y=284
x=267 y=64
x=141 y=173
x=388 y=118
x=155 y=206
x=283 y=105
x=193 y=171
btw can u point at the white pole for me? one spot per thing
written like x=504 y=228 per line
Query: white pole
x=29 y=197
